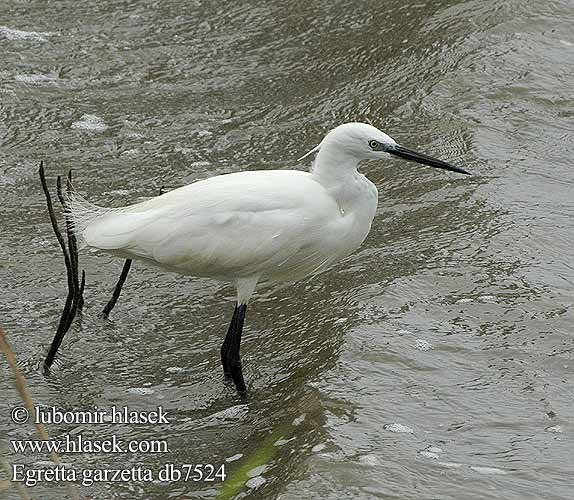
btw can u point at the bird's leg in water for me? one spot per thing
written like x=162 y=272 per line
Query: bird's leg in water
x=121 y=280
x=118 y=289
x=230 y=349
x=225 y=345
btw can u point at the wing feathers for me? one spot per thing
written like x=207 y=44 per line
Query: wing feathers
x=229 y=225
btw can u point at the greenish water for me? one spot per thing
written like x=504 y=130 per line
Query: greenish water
x=435 y=362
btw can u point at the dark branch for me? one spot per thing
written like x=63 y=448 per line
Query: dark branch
x=72 y=242
x=53 y=219
x=81 y=298
x=74 y=297
x=71 y=266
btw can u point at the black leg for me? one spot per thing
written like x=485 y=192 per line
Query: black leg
x=118 y=289
x=230 y=349
x=226 y=343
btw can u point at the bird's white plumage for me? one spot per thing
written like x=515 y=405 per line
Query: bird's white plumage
x=249 y=226
x=254 y=226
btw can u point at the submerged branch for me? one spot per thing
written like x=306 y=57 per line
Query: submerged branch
x=74 y=299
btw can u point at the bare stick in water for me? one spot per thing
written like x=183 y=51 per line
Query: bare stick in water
x=72 y=242
x=71 y=261
x=82 y=285
x=22 y=388
x=72 y=270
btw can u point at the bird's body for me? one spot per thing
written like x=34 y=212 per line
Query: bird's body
x=276 y=225
x=248 y=227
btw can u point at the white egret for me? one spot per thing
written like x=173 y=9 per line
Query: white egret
x=255 y=226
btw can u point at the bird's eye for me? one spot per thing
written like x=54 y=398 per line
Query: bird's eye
x=374 y=145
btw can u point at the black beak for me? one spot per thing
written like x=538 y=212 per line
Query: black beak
x=410 y=155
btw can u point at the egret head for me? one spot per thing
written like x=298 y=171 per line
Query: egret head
x=360 y=141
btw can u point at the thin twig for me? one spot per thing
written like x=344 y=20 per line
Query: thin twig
x=72 y=269
x=53 y=219
x=60 y=332
x=72 y=246
x=81 y=297
x=72 y=242
x=118 y=289
x=22 y=388
x=20 y=488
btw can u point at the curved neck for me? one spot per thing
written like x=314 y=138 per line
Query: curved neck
x=334 y=166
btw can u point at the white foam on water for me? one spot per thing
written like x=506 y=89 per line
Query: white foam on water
x=235 y=457
x=281 y=442
x=453 y=465
x=130 y=153
x=90 y=123
x=237 y=411
x=120 y=192
x=14 y=34
x=396 y=427
x=487 y=298
x=255 y=482
x=488 y=470
x=422 y=345
x=141 y=391
x=371 y=460
x=135 y=135
x=35 y=79
x=257 y=471
x=299 y=420
x=173 y=369
x=431 y=452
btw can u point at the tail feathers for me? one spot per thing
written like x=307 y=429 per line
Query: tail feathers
x=81 y=213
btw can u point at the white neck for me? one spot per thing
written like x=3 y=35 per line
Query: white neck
x=334 y=166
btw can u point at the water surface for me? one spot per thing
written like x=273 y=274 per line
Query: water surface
x=435 y=362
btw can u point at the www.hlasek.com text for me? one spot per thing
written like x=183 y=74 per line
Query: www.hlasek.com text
x=78 y=444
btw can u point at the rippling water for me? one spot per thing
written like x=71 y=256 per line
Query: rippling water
x=435 y=362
